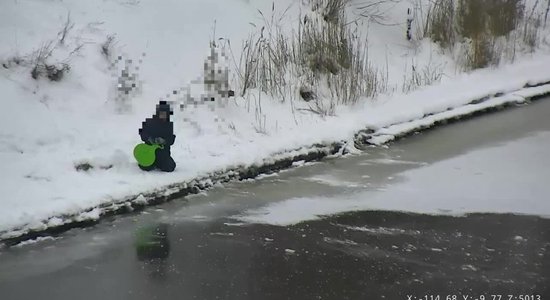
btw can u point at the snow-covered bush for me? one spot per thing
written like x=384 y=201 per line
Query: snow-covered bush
x=52 y=59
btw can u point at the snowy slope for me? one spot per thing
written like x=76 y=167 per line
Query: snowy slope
x=46 y=128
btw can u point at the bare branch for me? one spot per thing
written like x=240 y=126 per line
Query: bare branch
x=66 y=28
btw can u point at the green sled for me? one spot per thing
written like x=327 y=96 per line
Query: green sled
x=146 y=154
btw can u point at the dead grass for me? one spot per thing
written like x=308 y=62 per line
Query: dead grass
x=440 y=22
x=504 y=16
x=421 y=76
x=41 y=67
x=322 y=52
x=481 y=53
x=107 y=47
x=481 y=27
x=67 y=26
x=531 y=33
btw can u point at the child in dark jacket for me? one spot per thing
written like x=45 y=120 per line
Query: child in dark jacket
x=160 y=130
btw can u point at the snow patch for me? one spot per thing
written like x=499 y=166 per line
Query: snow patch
x=93 y=215
x=333 y=181
x=35 y=241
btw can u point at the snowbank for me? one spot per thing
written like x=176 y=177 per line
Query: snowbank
x=47 y=128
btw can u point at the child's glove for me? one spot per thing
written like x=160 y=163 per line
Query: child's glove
x=160 y=141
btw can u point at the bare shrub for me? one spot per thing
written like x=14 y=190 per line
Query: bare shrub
x=439 y=23
x=418 y=77
x=336 y=56
x=531 y=33
x=325 y=47
x=41 y=65
x=471 y=18
x=332 y=11
x=260 y=117
x=65 y=30
x=532 y=25
x=496 y=18
x=373 y=11
x=481 y=53
x=321 y=107
x=478 y=25
x=258 y=67
x=57 y=72
x=359 y=79
x=41 y=62
x=247 y=65
x=323 y=61
x=546 y=13
x=39 y=57
x=265 y=59
x=15 y=60
x=504 y=15
x=107 y=47
x=273 y=58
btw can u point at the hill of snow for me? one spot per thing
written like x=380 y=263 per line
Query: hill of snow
x=47 y=128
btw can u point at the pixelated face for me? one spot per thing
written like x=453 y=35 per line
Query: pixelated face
x=163 y=115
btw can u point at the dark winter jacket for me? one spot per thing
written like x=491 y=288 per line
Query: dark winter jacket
x=154 y=128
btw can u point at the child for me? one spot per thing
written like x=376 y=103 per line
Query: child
x=159 y=130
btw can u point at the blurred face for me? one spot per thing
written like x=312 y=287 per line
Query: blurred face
x=163 y=115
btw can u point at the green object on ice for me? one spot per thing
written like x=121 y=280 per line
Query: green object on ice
x=151 y=242
x=144 y=237
x=146 y=154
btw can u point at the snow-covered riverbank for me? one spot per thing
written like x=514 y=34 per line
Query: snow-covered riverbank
x=46 y=128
